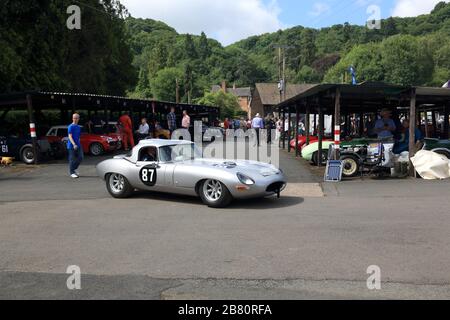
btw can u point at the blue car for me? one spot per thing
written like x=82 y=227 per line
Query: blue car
x=21 y=148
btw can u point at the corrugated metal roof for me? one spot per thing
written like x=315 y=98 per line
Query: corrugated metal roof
x=270 y=95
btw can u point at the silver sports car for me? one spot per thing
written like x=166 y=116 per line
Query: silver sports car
x=176 y=166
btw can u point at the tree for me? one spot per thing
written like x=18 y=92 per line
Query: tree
x=307 y=75
x=164 y=84
x=389 y=27
x=405 y=61
x=49 y=56
x=204 y=50
x=366 y=59
x=307 y=48
x=227 y=102
x=189 y=47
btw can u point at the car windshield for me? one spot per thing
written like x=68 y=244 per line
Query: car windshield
x=179 y=153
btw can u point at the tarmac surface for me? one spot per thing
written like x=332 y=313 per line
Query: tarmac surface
x=316 y=242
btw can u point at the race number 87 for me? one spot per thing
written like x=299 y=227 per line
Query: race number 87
x=148 y=176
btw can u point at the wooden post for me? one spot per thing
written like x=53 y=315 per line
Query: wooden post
x=308 y=124
x=412 y=130
x=315 y=124
x=434 y=123
x=337 y=123
x=32 y=127
x=446 y=121
x=106 y=114
x=289 y=129
x=297 y=117
x=320 y=135
x=361 y=122
x=280 y=134
x=284 y=132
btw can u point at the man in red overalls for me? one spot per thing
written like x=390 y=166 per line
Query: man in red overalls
x=127 y=130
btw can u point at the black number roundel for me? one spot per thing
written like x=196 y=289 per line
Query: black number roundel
x=148 y=176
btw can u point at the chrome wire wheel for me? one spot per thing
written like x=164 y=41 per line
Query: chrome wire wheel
x=117 y=183
x=212 y=190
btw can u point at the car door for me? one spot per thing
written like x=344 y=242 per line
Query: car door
x=150 y=175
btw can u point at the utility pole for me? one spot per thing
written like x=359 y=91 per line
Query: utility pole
x=177 y=91
x=282 y=69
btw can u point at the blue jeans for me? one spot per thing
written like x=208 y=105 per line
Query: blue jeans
x=75 y=159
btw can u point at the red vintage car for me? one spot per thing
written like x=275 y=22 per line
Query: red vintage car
x=111 y=130
x=93 y=144
x=302 y=141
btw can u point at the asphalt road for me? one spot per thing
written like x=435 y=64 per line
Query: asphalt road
x=316 y=242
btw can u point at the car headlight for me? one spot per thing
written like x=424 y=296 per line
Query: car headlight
x=245 y=179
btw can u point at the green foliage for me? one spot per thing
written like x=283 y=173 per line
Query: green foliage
x=406 y=61
x=307 y=75
x=366 y=59
x=117 y=54
x=164 y=84
x=40 y=52
x=228 y=103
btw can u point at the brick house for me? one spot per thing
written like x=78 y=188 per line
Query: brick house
x=244 y=95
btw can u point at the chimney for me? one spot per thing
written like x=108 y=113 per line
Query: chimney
x=224 y=86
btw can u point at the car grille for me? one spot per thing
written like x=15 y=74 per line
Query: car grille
x=275 y=187
x=113 y=144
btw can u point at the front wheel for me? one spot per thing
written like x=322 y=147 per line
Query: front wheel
x=118 y=186
x=350 y=165
x=215 y=194
x=96 y=149
x=323 y=158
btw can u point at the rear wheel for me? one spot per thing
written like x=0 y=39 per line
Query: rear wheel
x=118 y=186
x=96 y=149
x=215 y=194
x=27 y=155
x=323 y=158
x=350 y=165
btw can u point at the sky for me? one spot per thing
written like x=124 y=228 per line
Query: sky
x=231 y=21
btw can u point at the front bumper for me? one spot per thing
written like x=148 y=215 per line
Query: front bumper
x=264 y=187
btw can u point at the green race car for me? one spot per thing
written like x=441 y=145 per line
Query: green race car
x=438 y=146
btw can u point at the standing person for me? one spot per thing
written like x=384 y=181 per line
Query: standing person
x=226 y=124
x=270 y=125
x=257 y=125
x=279 y=127
x=74 y=147
x=127 y=127
x=144 y=130
x=243 y=125
x=172 y=120
x=186 y=122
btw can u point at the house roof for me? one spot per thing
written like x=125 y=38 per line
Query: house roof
x=270 y=94
x=238 y=92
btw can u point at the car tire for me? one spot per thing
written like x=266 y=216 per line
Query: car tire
x=96 y=149
x=27 y=155
x=215 y=194
x=315 y=158
x=118 y=186
x=350 y=166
